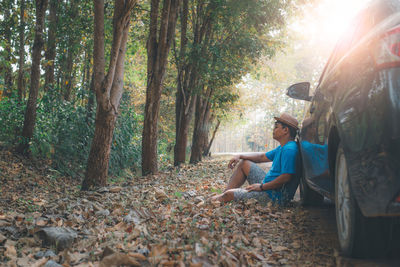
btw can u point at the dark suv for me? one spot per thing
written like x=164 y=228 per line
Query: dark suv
x=350 y=137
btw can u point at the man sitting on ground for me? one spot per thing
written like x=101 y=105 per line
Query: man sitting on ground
x=265 y=187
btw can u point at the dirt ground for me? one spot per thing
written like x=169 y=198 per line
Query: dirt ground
x=157 y=220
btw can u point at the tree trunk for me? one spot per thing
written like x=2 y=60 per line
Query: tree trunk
x=7 y=38
x=184 y=115
x=108 y=88
x=158 y=46
x=201 y=127
x=90 y=104
x=99 y=156
x=188 y=73
x=30 y=112
x=207 y=150
x=21 y=61
x=71 y=51
x=50 y=54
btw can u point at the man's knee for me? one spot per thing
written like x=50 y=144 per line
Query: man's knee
x=245 y=166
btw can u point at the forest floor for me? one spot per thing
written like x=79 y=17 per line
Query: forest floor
x=157 y=220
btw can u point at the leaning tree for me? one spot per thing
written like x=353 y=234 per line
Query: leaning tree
x=108 y=87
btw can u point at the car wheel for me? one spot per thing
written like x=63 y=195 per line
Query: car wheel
x=358 y=236
x=309 y=197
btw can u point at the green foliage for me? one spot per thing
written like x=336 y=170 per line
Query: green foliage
x=63 y=133
x=11 y=119
x=126 y=147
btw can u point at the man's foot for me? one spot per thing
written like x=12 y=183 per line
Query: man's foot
x=216 y=198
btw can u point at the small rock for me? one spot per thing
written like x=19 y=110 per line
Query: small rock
x=52 y=263
x=61 y=238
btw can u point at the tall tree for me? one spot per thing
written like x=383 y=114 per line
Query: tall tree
x=21 y=61
x=189 y=65
x=8 y=81
x=240 y=29
x=108 y=88
x=158 y=45
x=30 y=112
x=72 y=44
x=50 y=54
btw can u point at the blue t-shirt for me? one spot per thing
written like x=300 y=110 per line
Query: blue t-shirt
x=283 y=161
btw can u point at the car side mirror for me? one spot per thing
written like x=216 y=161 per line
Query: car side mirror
x=299 y=91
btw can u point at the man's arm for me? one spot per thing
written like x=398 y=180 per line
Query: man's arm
x=274 y=184
x=256 y=157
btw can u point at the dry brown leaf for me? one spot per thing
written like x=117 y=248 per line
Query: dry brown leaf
x=138 y=256
x=158 y=250
x=160 y=194
x=115 y=189
x=41 y=222
x=118 y=259
x=279 y=248
x=2 y=238
x=10 y=252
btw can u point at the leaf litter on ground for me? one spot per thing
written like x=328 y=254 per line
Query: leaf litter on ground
x=156 y=220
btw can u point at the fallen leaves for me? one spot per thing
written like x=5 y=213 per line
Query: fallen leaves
x=157 y=220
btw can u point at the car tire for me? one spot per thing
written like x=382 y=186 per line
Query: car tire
x=358 y=236
x=309 y=197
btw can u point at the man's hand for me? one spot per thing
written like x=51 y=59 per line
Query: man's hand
x=253 y=187
x=233 y=162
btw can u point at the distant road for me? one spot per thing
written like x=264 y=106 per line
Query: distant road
x=265 y=165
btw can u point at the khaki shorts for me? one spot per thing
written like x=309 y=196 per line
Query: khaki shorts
x=256 y=176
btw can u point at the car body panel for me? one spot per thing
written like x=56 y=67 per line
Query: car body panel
x=360 y=103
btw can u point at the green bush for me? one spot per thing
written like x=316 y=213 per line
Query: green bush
x=11 y=119
x=63 y=133
x=126 y=147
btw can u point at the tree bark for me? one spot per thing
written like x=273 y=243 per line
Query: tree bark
x=207 y=150
x=201 y=127
x=184 y=103
x=108 y=88
x=30 y=112
x=7 y=37
x=90 y=104
x=158 y=46
x=50 y=54
x=71 y=51
x=21 y=54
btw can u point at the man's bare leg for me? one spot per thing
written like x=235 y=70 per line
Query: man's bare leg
x=240 y=174
x=237 y=179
